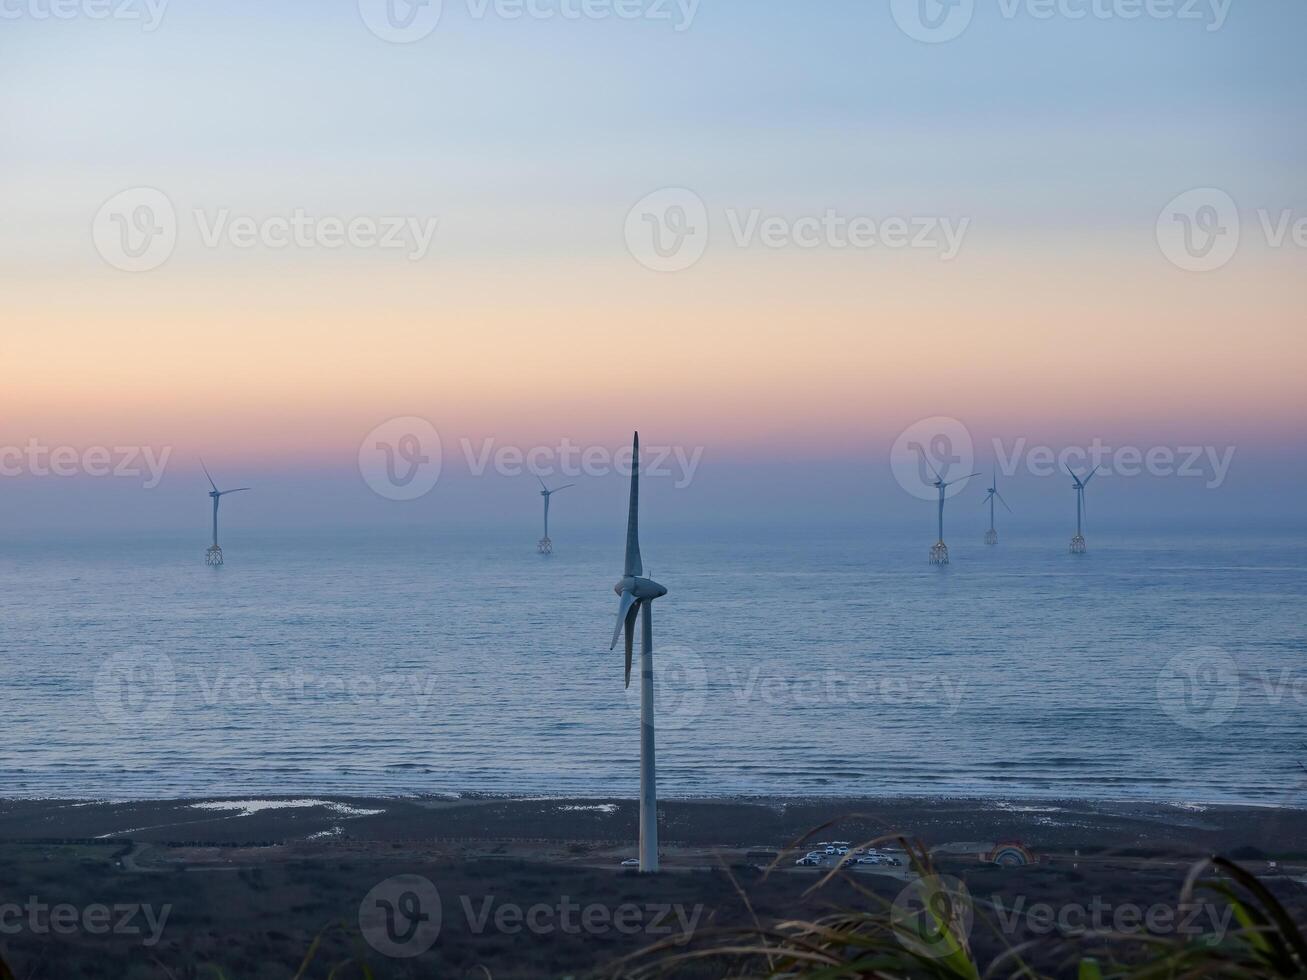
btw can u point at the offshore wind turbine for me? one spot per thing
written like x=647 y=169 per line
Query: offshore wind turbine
x=992 y=494
x=545 y=546
x=1078 y=542
x=939 y=550
x=214 y=555
x=637 y=596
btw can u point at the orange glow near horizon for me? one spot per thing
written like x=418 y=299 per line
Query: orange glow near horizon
x=746 y=352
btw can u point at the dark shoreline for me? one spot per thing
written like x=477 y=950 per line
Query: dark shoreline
x=770 y=822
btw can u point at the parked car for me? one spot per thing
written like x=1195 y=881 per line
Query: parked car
x=869 y=860
x=808 y=861
x=631 y=863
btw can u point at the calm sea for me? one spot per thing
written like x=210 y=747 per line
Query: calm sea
x=1152 y=668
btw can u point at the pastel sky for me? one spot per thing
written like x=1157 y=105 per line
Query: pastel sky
x=1056 y=142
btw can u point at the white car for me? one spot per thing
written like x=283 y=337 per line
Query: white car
x=869 y=860
x=830 y=849
x=841 y=851
x=808 y=861
x=631 y=863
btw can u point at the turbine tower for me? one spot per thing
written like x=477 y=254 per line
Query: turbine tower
x=991 y=536
x=939 y=550
x=545 y=546
x=1078 y=542
x=214 y=555
x=637 y=595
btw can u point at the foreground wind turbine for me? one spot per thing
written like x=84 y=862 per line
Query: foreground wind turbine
x=214 y=555
x=991 y=536
x=638 y=594
x=939 y=551
x=1078 y=542
x=546 y=547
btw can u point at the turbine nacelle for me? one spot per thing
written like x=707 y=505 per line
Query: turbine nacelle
x=641 y=589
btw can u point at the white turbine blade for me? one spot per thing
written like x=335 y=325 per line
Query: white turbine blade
x=1091 y=474
x=565 y=486
x=542 y=484
x=628 y=600
x=633 y=564
x=223 y=493
x=932 y=469
x=206 y=473
x=1002 y=501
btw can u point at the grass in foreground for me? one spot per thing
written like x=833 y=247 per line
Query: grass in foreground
x=925 y=933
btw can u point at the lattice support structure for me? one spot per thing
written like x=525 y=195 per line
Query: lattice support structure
x=991 y=536
x=939 y=553
x=1078 y=545
x=213 y=556
x=545 y=546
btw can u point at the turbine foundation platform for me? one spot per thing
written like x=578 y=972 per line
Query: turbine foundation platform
x=213 y=556
x=545 y=546
x=991 y=536
x=1078 y=545
x=939 y=553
